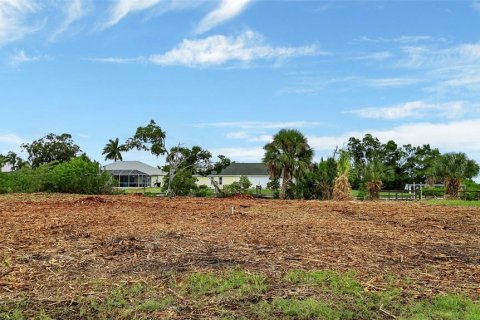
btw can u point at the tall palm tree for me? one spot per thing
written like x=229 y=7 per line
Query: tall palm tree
x=14 y=161
x=342 y=189
x=288 y=156
x=113 y=150
x=452 y=169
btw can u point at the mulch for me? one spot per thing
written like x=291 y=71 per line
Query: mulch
x=52 y=246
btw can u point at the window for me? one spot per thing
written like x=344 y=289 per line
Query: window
x=220 y=181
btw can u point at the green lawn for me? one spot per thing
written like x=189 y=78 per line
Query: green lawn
x=141 y=190
x=454 y=203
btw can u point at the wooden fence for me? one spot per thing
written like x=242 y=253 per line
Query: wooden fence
x=404 y=195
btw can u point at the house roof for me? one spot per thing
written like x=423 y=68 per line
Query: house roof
x=245 y=169
x=132 y=167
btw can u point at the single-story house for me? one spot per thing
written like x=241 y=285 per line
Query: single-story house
x=6 y=168
x=135 y=174
x=257 y=173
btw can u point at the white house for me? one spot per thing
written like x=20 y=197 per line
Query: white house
x=135 y=174
x=6 y=168
x=257 y=173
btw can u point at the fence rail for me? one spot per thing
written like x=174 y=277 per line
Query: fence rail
x=404 y=195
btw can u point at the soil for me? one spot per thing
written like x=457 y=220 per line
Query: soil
x=52 y=245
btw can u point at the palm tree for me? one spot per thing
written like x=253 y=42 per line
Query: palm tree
x=288 y=156
x=452 y=169
x=375 y=171
x=13 y=160
x=342 y=189
x=113 y=150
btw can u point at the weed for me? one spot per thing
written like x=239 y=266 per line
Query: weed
x=234 y=282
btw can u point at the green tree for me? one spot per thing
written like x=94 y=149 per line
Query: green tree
x=149 y=138
x=184 y=163
x=245 y=183
x=79 y=175
x=452 y=169
x=374 y=173
x=178 y=159
x=409 y=163
x=287 y=157
x=51 y=148
x=325 y=177
x=113 y=150
x=14 y=161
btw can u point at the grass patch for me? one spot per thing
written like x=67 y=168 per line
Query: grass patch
x=232 y=283
x=156 y=304
x=463 y=203
x=308 y=308
x=328 y=280
x=446 y=307
x=237 y=294
x=141 y=190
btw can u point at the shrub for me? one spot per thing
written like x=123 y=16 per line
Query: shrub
x=203 y=191
x=79 y=175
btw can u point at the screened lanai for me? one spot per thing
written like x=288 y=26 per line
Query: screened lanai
x=131 y=178
x=135 y=174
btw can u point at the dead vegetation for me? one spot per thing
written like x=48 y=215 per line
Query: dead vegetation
x=52 y=247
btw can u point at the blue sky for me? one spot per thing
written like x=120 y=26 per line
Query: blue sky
x=228 y=74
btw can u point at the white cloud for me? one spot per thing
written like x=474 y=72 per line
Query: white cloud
x=452 y=136
x=404 y=39
x=219 y=49
x=21 y=57
x=253 y=154
x=390 y=82
x=381 y=55
x=259 y=125
x=458 y=136
x=424 y=57
x=117 y=60
x=476 y=5
x=74 y=11
x=250 y=136
x=226 y=10
x=10 y=139
x=448 y=68
x=123 y=7
x=13 y=16
x=414 y=109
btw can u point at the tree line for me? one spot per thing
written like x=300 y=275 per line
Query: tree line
x=364 y=164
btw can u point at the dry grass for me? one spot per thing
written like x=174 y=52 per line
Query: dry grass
x=54 y=248
x=342 y=191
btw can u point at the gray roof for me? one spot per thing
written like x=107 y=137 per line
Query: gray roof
x=245 y=169
x=134 y=167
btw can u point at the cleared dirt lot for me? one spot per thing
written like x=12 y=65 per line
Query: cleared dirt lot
x=53 y=246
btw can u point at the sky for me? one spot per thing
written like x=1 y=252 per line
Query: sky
x=228 y=74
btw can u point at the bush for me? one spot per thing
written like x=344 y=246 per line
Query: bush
x=203 y=191
x=79 y=175
x=245 y=183
x=25 y=180
x=234 y=188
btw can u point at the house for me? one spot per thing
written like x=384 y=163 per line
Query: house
x=6 y=168
x=257 y=173
x=135 y=174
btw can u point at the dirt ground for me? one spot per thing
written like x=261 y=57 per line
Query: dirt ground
x=52 y=245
